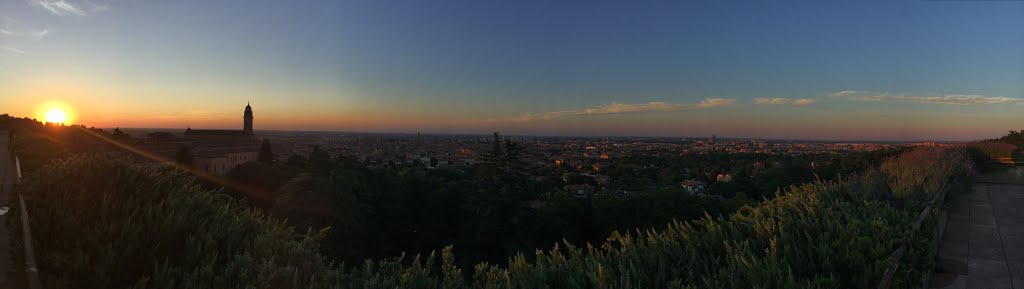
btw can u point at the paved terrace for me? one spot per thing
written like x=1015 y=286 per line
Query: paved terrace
x=983 y=245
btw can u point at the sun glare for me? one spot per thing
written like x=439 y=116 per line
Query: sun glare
x=56 y=112
x=56 y=115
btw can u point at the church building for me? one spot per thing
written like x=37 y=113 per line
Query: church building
x=225 y=134
x=219 y=151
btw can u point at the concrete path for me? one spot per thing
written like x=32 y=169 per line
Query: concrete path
x=983 y=245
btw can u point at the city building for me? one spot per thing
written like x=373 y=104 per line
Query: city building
x=692 y=186
x=219 y=151
x=214 y=151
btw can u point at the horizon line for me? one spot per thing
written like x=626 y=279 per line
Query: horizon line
x=719 y=137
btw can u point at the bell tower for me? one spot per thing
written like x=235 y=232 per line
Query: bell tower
x=248 y=119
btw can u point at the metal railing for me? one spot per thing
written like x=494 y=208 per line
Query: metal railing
x=932 y=207
x=31 y=271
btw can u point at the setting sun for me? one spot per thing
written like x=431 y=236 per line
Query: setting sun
x=56 y=115
x=56 y=112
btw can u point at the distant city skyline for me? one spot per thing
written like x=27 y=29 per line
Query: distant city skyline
x=921 y=70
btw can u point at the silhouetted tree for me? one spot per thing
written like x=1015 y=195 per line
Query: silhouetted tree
x=1013 y=137
x=504 y=159
x=258 y=182
x=320 y=161
x=119 y=135
x=297 y=161
x=512 y=161
x=494 y=156
x=266 y=153
x=182 y=157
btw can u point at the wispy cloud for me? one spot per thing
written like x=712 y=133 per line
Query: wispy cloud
x=623 y=108
x=40 y=34
x=958 y=99
x=788 y=101
x=97 y=7
x=13 y=28
x=60 y=7
x=12 y=50
x=10 y=27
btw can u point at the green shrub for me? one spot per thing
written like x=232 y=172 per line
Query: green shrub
x=925 y=170
x=993 y=149
x=102 y=222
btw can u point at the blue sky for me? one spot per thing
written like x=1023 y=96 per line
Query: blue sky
x=895 y=70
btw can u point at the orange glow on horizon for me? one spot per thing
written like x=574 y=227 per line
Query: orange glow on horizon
x=56 y=112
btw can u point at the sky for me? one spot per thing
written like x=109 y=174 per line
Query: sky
x=857 y=70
